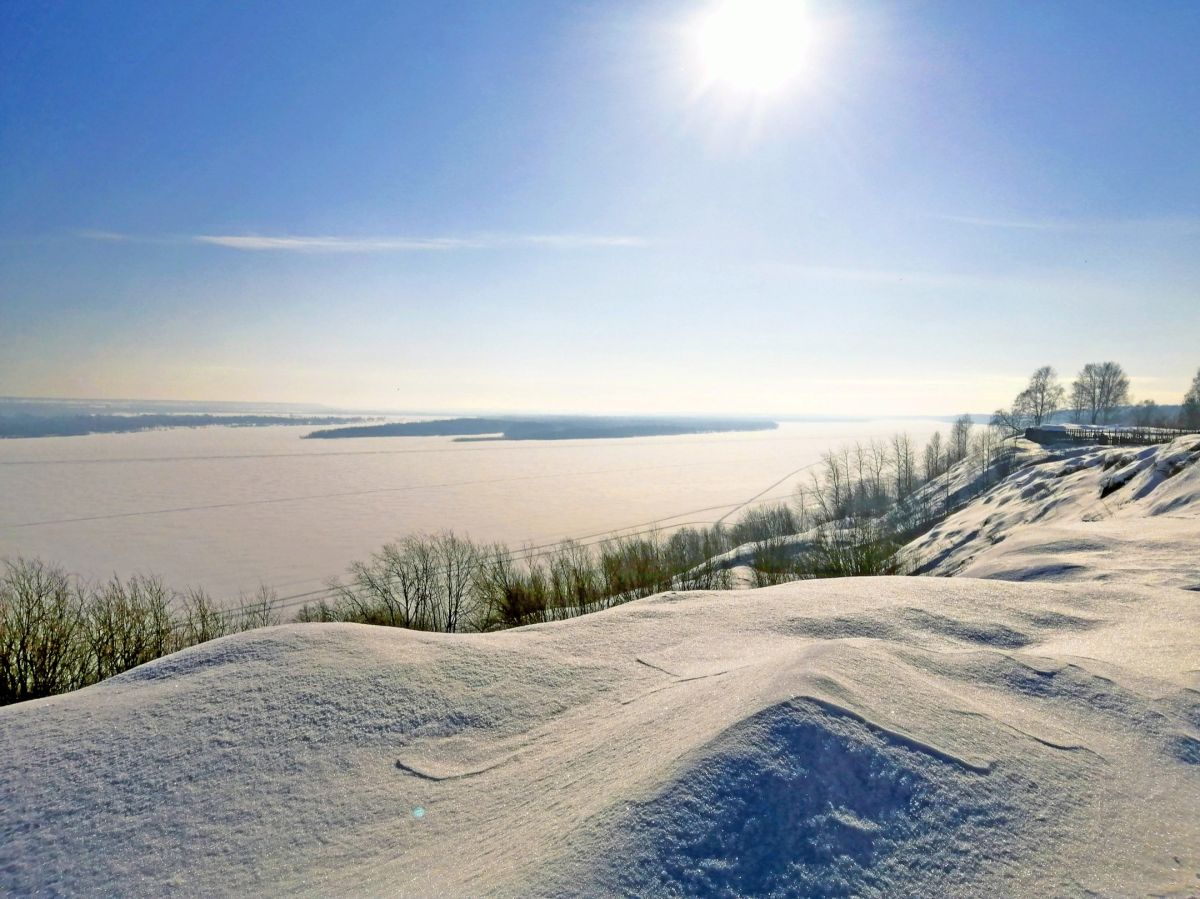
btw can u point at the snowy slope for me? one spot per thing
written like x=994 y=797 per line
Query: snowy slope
x=1094 y=514
x=957 y=486
x=868 y=737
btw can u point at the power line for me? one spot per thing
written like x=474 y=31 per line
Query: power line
x=493 y=447
x=784 y=479
x=343 y=494
x=548 y=549
x=295 y=600
x=527 y=552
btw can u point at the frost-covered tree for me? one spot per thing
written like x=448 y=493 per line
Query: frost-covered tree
x=1100 y=388
x=1189 y=414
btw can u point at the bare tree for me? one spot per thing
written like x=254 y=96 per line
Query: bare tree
x=1100 y=388
x=904 y=465
x=456 y=561
x=127 y=623
x=400 y=587
x=933 y=458
x=960 y=439
x=203 y=620
x=380 y=587
x=877 y=463
x=1079 y=403
x=830 y=488
x=983 y=448
x=41 y=617
x=1189 y=413
x=1114 y=389
x=1042 y=398
x=803 y=502
x=574 y=580
x=258 y=610
x=422 y=574
x=502 y=587
x=1013 y=420
x=1146 y=414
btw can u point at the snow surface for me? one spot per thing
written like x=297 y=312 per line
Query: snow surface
x=1093 y=514
x=859 y=737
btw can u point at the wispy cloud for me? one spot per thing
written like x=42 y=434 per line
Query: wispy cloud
x=1011 y=224
x=891 y=277
x=256 y=242
x=113 y=237
x=1093 y=226
x=1044 y=283
x=290 y=243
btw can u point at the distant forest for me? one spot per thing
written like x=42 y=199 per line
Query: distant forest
x=550 y=428
x=77 y=425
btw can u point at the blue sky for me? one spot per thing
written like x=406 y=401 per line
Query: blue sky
x=542 y=206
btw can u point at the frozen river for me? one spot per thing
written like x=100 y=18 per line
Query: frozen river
x=230 y=508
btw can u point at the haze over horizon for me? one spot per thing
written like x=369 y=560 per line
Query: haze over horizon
x=596 y=207
x=127 y=405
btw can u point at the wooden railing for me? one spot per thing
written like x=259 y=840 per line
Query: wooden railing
x=1105 y=436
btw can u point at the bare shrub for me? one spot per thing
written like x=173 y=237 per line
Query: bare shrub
x=258 y=611
x=772 y=563
x=41 y=619
x=512 y=592
x=691 y=553
x=126 y=624
x=202 y=619
x=456 y=560
x=767 y=522
x=866 y=547
x=319 y=612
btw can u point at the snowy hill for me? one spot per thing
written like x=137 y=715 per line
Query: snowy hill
x=1095 y=514
x=959 y=485
x=857 y=737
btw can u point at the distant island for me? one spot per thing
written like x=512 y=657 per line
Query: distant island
x=78 y=425
x=548 y=428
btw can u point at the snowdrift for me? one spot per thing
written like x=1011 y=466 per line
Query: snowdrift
x=1092 y=514
x=866 y=737
x=995 y=736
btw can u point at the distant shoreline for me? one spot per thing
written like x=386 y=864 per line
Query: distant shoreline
x=548 y=428
x=16 y=427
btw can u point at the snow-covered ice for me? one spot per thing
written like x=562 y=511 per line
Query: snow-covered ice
x=1035 y=732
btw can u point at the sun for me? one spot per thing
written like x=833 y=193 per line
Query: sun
x=753 y=46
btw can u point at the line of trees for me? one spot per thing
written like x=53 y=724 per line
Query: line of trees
x=1098 y=393
x=853 y=517
x=870 y=480
x=1100 y=388
x=444 y=582
x=867 y=501
x=58 y=634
